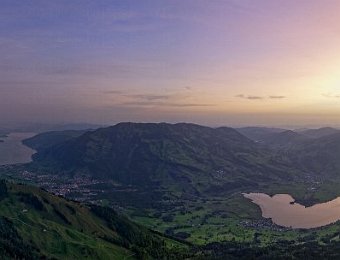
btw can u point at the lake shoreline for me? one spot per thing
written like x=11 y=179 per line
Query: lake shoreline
x=12 y=149
x=284 y=211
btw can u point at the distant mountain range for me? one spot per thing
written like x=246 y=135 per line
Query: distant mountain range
x=321 y=132
x=49 y=139
x=182 y=155
x=318 y=155
x=284 y=140
x=40 y=128
x=259 y=134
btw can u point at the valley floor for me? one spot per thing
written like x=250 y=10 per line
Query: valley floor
x=198 y=220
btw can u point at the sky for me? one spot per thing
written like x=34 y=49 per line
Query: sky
x=230 y=62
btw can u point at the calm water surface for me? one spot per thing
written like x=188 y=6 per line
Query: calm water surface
x=281 y=209
x=13 y=151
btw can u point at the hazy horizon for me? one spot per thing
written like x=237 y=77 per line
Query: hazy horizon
x=233 y=63
x=60 y=126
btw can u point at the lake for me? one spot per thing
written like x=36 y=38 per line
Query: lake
x=284 y=212
x=12 y=150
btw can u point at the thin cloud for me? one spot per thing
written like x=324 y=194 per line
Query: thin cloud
x=277 y=97
x=164 y=104
x=250 y=97
x=192 y=105
x=253 y=97
x=148 y=97
x=151 y=100
x=328 y=95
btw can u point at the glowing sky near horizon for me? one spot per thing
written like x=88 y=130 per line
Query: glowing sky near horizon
x=232 y=62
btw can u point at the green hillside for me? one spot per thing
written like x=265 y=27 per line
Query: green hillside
x=34 y=224
x=37 y=225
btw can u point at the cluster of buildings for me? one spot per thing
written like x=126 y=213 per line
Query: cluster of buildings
x=78 y=188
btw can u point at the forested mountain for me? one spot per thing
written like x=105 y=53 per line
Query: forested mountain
x=185 y=156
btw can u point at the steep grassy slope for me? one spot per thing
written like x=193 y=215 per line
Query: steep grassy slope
x=34 y=223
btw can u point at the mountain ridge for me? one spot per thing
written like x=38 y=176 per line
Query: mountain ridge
x=185 y=156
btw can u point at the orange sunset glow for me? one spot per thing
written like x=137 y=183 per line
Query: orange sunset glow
x=222 y=62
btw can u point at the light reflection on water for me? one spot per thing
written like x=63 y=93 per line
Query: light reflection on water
x=13 y=151
x=281 y=209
